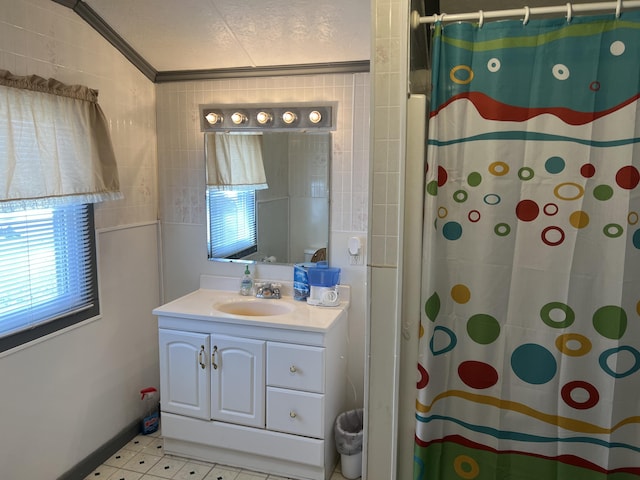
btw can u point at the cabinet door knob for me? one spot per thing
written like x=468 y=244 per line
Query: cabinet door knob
x=213 y=357
x=293 y=369
x=201 y=357
x=292 y=414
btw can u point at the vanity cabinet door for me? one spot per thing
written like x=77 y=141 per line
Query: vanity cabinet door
x=184 y=373
x=238 y=380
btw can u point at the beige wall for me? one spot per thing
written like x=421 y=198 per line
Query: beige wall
x=64 y=397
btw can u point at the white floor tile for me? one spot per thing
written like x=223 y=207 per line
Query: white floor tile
x=125 y=475
x=167 y=467
x=141 y=462
x=120 y=458
x=143 y=458
x=154 y=447
x=139 y=442
x=102 y=472
x=222 y=473
x=193 y=471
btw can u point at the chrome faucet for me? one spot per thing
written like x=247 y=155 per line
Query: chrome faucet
x=268 y=290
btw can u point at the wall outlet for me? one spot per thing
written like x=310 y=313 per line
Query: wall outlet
x=355 y=259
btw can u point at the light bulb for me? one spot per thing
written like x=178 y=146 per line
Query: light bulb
x=315 y=116
x=264 y=118
x=238 y=118
x=289 y=117
x=213 y=118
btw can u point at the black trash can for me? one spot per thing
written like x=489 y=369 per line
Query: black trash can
x=348 y=436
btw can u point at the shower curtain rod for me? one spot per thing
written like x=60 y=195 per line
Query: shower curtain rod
x=569 y=9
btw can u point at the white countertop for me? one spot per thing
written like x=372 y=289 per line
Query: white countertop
x=203 y=303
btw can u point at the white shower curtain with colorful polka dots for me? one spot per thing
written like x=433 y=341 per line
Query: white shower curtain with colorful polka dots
x=529 y=364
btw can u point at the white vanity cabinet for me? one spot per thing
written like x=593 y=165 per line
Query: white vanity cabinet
x=260 y=393
x=193 y=381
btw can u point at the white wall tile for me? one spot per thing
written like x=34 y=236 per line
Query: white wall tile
x=39 y=37
x=181 y=142
x=390 y=59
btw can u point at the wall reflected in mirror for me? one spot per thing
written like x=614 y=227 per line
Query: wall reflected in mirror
x=290 y=217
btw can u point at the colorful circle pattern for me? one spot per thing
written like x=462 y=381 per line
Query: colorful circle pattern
x=626 y=178
x=466 y=467
x=533 y=363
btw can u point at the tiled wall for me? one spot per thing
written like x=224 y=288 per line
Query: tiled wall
x=390 y=58
x=181 y=146
x=40 y=37
x=70 y=393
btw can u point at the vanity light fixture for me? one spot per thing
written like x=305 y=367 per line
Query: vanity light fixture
x=298 y=117
x=238 y=118
x=213 y=118
x=315 y=116
x=289 y=117
x=264 y=118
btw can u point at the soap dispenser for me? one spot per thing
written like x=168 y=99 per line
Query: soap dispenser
x=246 y=284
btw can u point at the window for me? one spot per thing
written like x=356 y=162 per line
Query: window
x=232 y=223
x=48 y=278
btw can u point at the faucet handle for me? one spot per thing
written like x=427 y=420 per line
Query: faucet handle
x=268 y=290
x=260 y=286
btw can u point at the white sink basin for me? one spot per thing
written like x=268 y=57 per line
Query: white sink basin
x=255 y=308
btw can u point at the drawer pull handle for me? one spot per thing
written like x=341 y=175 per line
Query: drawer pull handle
x=201 y=357
x=292 y=414
x=293 y=369
x=213 y=357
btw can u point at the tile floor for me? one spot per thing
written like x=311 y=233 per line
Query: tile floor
x=143 y=458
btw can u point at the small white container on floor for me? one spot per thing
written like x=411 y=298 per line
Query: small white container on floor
x=351 y=465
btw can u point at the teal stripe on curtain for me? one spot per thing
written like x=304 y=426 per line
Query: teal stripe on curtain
x=529 y=361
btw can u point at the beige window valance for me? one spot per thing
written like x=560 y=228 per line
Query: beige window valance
x=55 y=146
x=234 y=161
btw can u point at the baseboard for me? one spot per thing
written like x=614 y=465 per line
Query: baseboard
x=98 y=457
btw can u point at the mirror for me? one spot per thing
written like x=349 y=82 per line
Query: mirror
x=292 y=214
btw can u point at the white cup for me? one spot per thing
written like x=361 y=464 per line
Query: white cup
x=330 y=297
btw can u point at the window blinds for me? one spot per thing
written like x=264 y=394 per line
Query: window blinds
x=232 y=223
x=46 y=266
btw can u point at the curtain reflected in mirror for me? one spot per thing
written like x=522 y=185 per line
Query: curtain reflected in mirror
x=285 y=223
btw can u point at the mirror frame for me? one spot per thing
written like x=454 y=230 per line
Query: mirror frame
x=248 y=113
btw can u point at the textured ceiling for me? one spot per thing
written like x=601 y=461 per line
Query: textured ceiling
x=180 y=35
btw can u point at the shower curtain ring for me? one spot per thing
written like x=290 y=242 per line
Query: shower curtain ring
x=481 y=19
x=618 y=8
x=527 y=13
x=569 y=12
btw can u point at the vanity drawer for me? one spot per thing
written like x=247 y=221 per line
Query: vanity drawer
x=300 y=413
x=299 y=367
